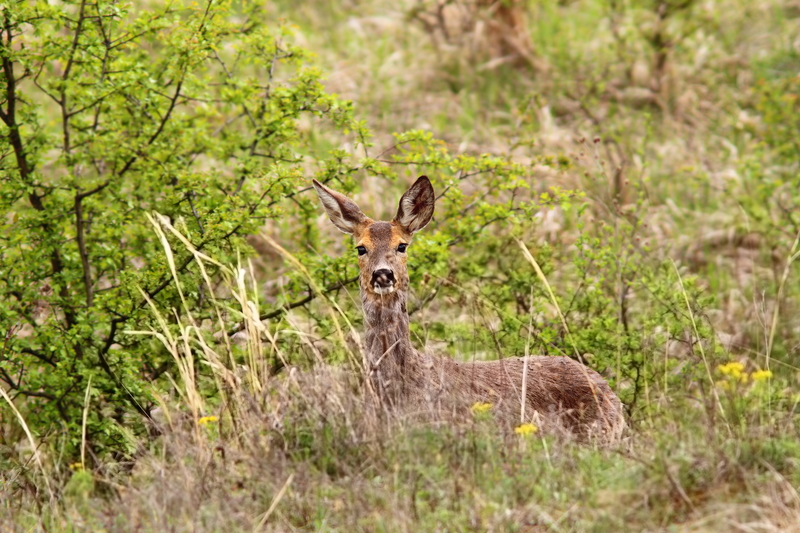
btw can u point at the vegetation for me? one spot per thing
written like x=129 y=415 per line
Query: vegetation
x=181 y=324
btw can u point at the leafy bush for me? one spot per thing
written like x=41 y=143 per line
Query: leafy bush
x=209 y=116
x=107 y=114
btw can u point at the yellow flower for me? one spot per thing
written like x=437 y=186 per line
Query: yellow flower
x=526 y=429
x=76 y=467
x=207 y=420
x=761 y=375
x=734 y=370
x=481 y=407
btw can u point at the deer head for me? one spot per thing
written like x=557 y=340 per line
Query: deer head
x=381 y=246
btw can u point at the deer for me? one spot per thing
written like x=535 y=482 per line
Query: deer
x=555 y=391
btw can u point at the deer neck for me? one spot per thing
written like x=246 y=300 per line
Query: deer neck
x=387 y=336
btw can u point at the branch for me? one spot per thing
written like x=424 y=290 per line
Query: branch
x=84 y=254
x=65 y=115
x=190 y=196
x=82 y=195
x=103 y=73
x=107 y=367
x=155 y=135
x=8 y=379
x=91 y=105
x=426 y=300
x=37 y=395
x=336 y=286
x=39 y=355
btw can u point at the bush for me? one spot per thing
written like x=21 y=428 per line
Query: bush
x=107 y=114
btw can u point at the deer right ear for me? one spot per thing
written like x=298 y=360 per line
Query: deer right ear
x=343 y=212
x=416 y=206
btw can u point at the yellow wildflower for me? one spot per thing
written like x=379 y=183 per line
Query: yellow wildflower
x=761 y=375
x=526 y=429
x=734 y=370
x=207 y=420
x=481 y=407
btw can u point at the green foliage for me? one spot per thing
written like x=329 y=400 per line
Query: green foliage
x=190 y=110
x=199 y=113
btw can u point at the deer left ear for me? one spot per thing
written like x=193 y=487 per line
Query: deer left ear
x=343 y=212
x=416 y=206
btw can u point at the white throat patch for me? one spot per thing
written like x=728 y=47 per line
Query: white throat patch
x=384 y=290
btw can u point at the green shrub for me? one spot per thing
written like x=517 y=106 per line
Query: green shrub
x=107 y=114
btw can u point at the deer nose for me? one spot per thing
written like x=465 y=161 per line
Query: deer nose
x=382 y=279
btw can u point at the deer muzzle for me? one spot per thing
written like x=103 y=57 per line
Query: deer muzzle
x=383 y=281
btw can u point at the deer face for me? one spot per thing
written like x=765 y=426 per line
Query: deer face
x=381 y=246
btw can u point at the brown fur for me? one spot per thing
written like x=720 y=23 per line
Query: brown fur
x=559 y=392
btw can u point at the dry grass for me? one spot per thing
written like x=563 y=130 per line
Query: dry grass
x=310 y=457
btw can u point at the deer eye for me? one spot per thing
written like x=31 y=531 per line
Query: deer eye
x=402 y=248
x=361 y=250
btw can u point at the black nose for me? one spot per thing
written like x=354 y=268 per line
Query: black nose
x=383 y=278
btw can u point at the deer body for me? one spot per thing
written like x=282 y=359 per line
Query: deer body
x=558 y=391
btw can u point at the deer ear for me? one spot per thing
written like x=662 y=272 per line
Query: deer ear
x=343 y=212
x=416 y=206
